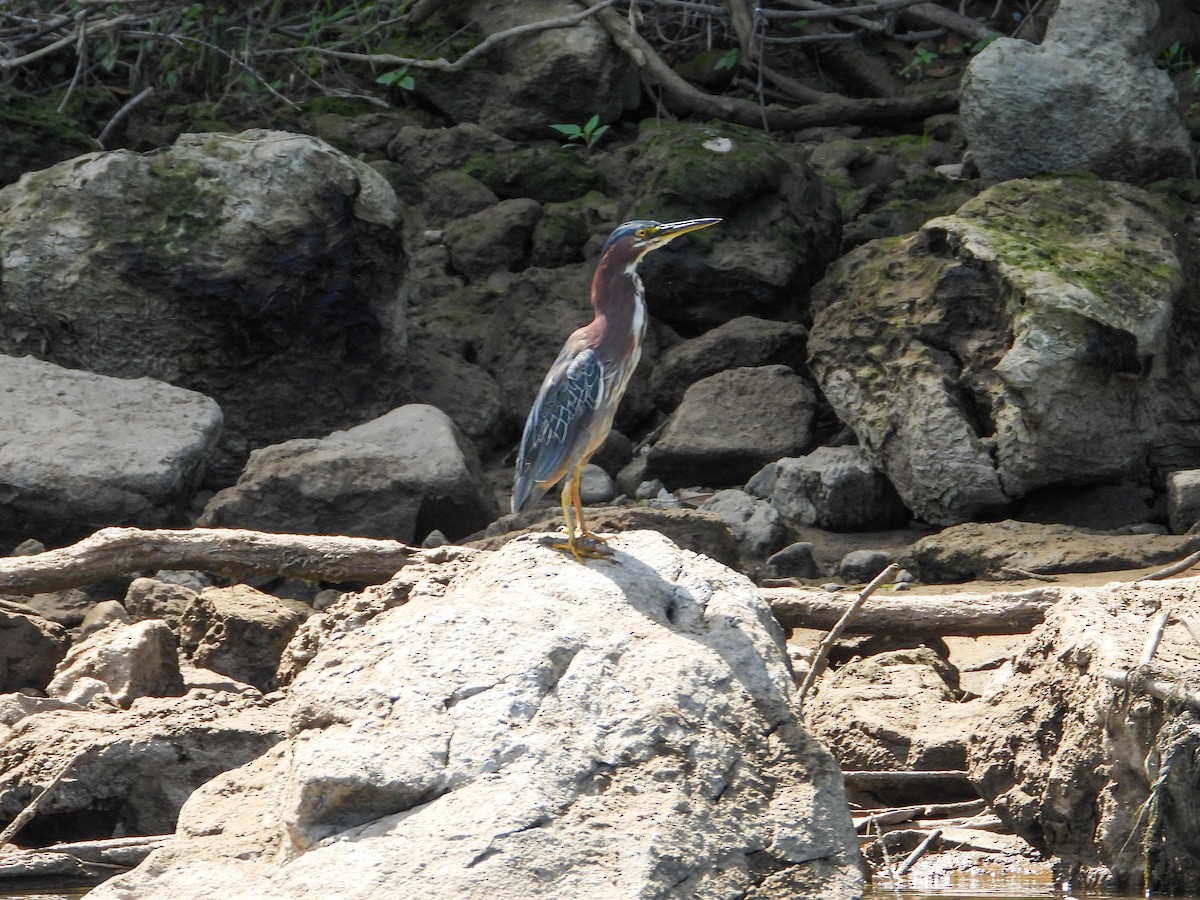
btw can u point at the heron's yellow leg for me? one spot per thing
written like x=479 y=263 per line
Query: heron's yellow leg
x=570 y=499
x=577 y=502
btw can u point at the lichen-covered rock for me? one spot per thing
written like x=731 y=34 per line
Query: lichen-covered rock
x=1032 y=108
x=81 y=451
x=537 y=728
x=261 y=269
x=1034 y=338
x=399 y=477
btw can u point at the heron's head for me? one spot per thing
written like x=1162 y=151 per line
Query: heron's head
x=631 y=241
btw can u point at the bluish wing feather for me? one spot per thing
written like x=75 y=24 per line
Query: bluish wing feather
x=556 y=429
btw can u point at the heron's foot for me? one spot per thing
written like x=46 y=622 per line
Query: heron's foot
x=585 y=546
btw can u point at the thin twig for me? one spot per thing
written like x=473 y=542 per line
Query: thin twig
x=24 y=816
x=80 y=63
x=1155 y=636
x=35 y=55
x=1192 y=626
x=919 y=852
x=818 y=662
x=1158 y=688
x=1174 y=569
x=120 y=114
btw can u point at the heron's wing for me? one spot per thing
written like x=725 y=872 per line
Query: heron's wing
x=557 y=425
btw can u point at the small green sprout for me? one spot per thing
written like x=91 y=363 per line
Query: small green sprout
x=397 y=78
x=586 y=135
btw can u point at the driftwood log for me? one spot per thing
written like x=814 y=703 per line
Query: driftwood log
x=118 y=552
x=911 y=614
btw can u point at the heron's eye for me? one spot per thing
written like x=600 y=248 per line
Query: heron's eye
x=643 y=232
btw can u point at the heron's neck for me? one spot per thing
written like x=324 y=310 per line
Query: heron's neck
x=619 y=302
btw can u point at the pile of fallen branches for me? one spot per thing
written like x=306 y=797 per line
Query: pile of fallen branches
x=283 y=51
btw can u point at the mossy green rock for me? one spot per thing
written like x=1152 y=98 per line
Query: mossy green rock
x=783 y=224
x=1029 y=340
x=543 y=174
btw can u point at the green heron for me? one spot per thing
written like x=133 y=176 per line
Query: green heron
x=574 y=409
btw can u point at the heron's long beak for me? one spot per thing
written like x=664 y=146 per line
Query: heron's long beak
x=672 y=230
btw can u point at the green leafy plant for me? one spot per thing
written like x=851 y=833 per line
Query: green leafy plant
x=728 y=60
x=585 y=135
x=397 y=78
x=920 y=62
x=1177 y=58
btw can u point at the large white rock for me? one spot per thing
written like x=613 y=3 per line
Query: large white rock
x=525 y=726
x=79 y=451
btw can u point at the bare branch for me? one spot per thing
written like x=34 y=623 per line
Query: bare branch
x=121 y=113
x=88 y=30
x=818 y=662
x=442 y=64
x=685 y=98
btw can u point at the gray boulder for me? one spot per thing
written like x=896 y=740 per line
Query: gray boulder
x=129 y=661
x=755 y=524
x=631 y=729
x=793 y=561
x=399 y=476
x=835 y=488
x=731 y=424
x=1027 y=341
x=82 y=451
x=744 y=341
x=261 y=269
x=1183 y=499
x=100 y=616
x=496 y=239
x=860 y=566
x=1088 y=97
x=152 y=598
